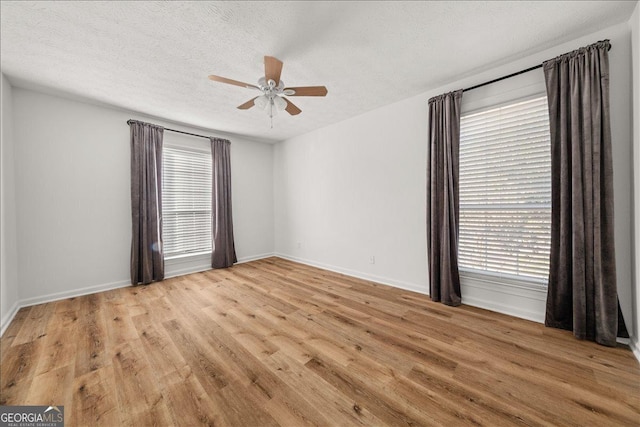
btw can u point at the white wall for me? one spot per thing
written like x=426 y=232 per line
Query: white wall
x=354 y=190
x=357 y=188
x=8 y=249
x=72 y=164
x=634 y=23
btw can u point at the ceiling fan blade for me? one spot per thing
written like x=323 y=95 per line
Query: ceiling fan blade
x=272 y=69
x=247 y=104
x=307 y=91
x=232 y=82
x=291 y=109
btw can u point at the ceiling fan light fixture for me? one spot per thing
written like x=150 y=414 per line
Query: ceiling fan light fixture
x=280 y=103
x=261 y=102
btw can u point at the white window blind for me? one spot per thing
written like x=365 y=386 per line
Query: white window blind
x=505 y=191
x=186 y=201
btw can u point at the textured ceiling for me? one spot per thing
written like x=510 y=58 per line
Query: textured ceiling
x=154 y=57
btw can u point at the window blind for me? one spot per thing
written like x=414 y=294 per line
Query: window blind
x=505 y=191
x=186 y=201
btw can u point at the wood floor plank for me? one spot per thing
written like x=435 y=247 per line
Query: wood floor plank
x=365 y=396
x=487 y=406
x=273 y=342
x=243 y=363
x=59 y=349
x=35 y=326
x=289 y=409
x=12 y=331
x=200 y=356
x=17 y=371
x=214 y=373
x=94 y=399
x=189 y=403
x=139 y=398
x=52 y=387
x=163 y=356
x=118 y=324
x=92 y=336
x=337 y=407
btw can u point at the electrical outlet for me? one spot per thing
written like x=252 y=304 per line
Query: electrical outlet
x=372 y=259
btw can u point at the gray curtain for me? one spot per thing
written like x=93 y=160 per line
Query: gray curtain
x=147 y=258
x=582 y=295
x=442 y=197
x=224 y=252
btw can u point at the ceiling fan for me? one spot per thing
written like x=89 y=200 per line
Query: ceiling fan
x=273 y=90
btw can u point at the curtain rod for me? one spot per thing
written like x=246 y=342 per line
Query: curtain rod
x=177 y=131
x=535 y=67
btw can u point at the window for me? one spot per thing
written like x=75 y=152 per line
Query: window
x=186 y=201
x=505 y=191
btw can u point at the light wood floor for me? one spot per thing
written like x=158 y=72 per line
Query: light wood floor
x=273 y=342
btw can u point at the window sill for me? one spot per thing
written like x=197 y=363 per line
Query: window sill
x=187 y=257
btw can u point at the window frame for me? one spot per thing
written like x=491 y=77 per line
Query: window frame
x=185 y=256
x=504 y=278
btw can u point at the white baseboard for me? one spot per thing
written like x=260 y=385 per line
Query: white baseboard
x=7 y=318
x=421 y=289
x=635 y=348
x=74 y=293
x=201 y=263
x=255 y=257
